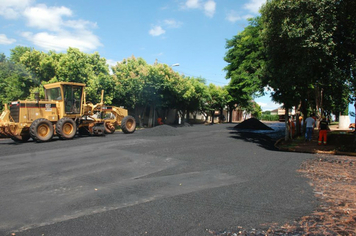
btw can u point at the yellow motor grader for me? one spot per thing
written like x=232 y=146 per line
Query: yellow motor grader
x=64 y=112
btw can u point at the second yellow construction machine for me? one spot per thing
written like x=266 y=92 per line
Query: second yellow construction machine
x=64 y=112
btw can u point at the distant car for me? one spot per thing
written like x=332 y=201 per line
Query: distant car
x=352 y=126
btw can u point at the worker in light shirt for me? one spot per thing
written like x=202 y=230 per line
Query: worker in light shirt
x=310 y=124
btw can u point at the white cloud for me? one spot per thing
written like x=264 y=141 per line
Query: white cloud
x=254 y=5
x=84 y=40
x=57 y=28
x=49 y=18
x=157 y=31
x=269 y=106
x=193 y=4
x=265 y=101
x=233 y=16
x=111 y=62
x=12 y=9
x=172 y=23
x=209 y=8
x=5 y=40
x=80 y=24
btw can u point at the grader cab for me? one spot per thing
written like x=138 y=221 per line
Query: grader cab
x=64 y=112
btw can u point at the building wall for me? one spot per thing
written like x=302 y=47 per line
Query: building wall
x=237 y=115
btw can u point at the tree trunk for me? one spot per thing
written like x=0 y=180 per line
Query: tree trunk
x=206 y=116
x=286 y=118
x=187 y=116
x=305 y=114
x=230 y=115
x=181 y=115
x=297 y=124
x=151 y=116
x=355 y=123
x=137 y=116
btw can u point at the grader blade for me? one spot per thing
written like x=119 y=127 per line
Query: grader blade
x=2 y=131
x=4 y=119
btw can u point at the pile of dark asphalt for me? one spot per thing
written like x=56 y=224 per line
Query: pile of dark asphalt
x=252 y=124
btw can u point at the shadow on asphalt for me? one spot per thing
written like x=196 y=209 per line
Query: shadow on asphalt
x=263 y=138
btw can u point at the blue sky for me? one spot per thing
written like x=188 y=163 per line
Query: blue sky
x=192 y=33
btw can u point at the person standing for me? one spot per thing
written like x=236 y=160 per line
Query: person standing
x=323 y=131
x=310 y=123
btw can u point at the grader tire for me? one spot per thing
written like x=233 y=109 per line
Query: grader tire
x=109 y=128
x=128 y=124
x=41 y=130
x=66 y=128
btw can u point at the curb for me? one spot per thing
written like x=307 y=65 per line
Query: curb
x=312 y=152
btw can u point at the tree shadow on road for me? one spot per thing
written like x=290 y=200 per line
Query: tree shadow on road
x=265 y=140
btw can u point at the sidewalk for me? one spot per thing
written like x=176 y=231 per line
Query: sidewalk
x=339 y=143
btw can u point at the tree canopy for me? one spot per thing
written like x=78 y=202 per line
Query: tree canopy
x=304 y=51
x=134 y=83
x=245 y=58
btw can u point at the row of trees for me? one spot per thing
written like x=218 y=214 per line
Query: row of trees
x=28 y=69
x=142 y=86
x=303 y=51
x=133 y=83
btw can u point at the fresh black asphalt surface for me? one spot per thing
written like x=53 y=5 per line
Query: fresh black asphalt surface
x=160 y=181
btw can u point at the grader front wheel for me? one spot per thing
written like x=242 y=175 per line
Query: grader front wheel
x=128 y=124
x=109 y=128
x=41 y=130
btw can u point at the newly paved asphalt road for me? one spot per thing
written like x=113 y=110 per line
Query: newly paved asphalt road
x=161 y=181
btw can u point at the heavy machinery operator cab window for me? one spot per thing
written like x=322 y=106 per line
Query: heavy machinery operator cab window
x=72 y=98
x=53 y=94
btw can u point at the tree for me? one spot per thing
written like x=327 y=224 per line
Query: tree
x=346 y=44
x=245 y=58
x=15 y=81
x=299 y=41
x=200 y=97
x=41 y=65
x=188 y=95
x=157 y=87
x=130 y=78
x=218 y=100
x=18 y=52
x=99 y=79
